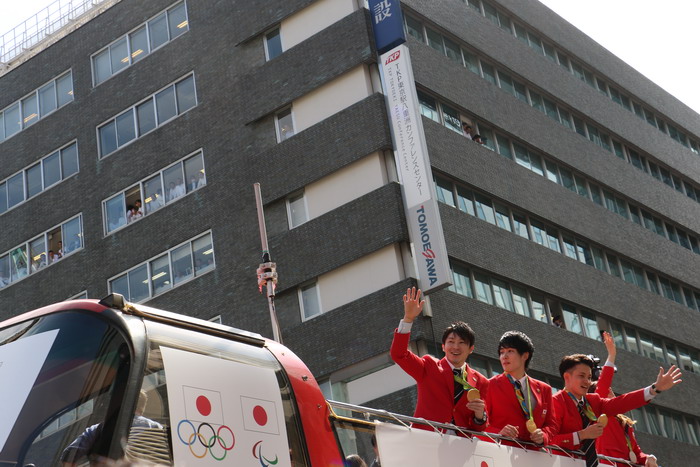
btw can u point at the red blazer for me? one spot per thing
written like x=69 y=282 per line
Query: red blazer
x=435 y=382
x=568 y=421
x=504 y=408
x=612 y=442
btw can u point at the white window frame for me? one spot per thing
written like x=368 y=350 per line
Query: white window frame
x=140 y=185
x=315 y=286
x=158 y=124
x=128 y=43
x=168 y=252
x=288 y=203
x=44 y=235
x=278 y=130
x=267 y=52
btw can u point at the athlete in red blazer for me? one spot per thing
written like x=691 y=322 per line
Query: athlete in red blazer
x=619 y=431
x=435 y=378
x=507 y=416
x=577 y=370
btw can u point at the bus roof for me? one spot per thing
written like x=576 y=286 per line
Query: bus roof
x=145 y=312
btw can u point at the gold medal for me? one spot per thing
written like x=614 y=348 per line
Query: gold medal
x=531 y=425
x=473 y=394
x=603 y=420
x=633 y=457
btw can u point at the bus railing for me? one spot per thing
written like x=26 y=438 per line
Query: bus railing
x=369 y=416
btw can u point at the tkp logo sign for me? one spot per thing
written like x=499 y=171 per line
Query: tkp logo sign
x=393 y=57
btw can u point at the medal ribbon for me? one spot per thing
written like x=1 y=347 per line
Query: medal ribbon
x=521 y=398
x=627 y=437
x=587 y=410
x=462 y=380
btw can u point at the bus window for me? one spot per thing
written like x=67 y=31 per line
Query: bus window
x=220 y=399
x=68 y=384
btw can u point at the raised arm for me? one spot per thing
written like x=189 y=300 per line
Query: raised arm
x=412 y=305
x=666 y=381
x=610 y=347
x=606 y=375
x=400 y=351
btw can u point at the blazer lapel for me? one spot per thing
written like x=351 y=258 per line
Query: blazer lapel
x=448 y=376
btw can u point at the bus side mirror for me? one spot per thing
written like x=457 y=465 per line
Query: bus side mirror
x=114 y=300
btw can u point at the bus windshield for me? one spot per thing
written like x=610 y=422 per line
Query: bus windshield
x=62 y=375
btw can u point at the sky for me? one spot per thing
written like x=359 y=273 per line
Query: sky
x=659 y=39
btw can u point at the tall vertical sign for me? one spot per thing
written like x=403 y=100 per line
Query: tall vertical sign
x=410 y=148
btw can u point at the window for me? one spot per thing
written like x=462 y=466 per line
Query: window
x=203 y=253
x=483 y=289
x=552 y=172
x=182 y=267
x=465 y=199
x=428 y=106
x=462 y=282
x=132 y=47
x=536 y=101
x=435 y=40
x=165 y=271
x=584 y=253
x=631 y=340
x=471 y=62
x=502 y=217
x=506 y=82
x=51 y=169
x=490 y=13
x=502 y=295
x=504 y=147
x=571 y=319
x=451 y=118
x=36 y=105
x=309 y=300
x=414 y=28
x=273 y=44
x=154 y=111
x=550 y=109
x=284 y=123
x=520 y=33
x=166 y=108
x=520 y=226
x=553 y=239
x=538 y=309
x=444 y=191
x=618 y=336
x=41 y=251
x=590 y=325
x=484 y=211
x=520 y=303
x=296 y=210
x=154 y=192
x=538 y=232
x=489 y=73
x=452 y=51
x=613 y=267
x=535 y=43
x=569 y=247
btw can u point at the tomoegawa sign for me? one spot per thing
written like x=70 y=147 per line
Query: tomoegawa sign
x=410 y=148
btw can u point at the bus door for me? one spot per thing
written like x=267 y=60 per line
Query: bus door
x=60 y=375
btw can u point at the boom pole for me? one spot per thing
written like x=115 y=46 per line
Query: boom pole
x=267 y=271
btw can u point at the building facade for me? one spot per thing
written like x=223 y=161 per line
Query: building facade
x=129 y=148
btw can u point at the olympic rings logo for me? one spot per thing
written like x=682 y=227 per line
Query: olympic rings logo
x=213 y=442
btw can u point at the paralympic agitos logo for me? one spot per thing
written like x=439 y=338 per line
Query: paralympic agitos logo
x=426 y=247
